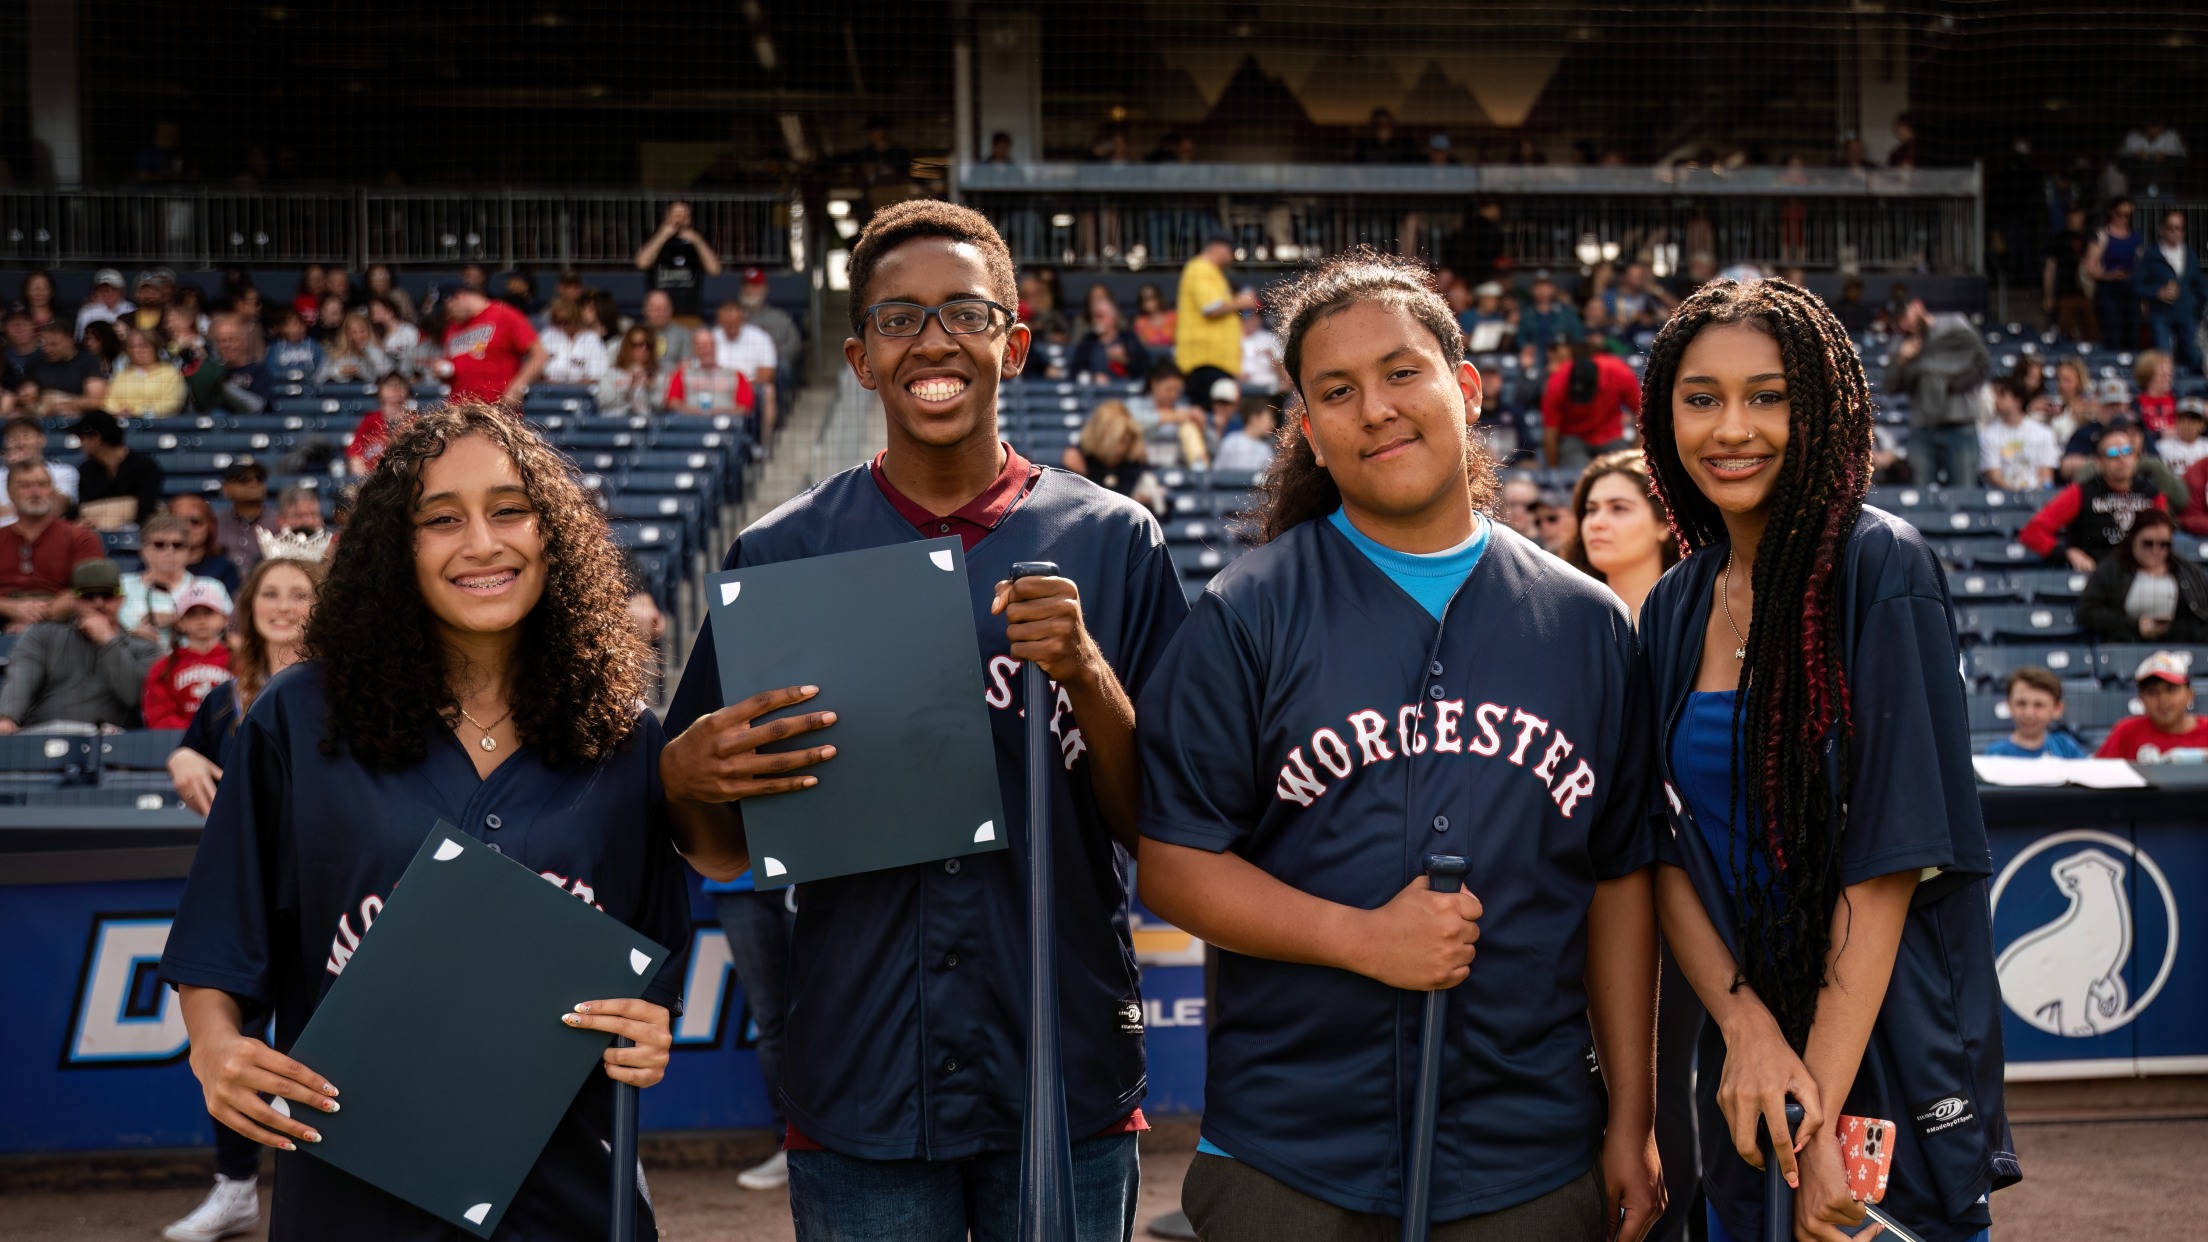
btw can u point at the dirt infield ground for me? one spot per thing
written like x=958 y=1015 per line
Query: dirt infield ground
x=2098 y=1180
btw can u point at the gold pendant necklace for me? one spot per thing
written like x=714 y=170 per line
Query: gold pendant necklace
x=489 y=742
x=1724 y=596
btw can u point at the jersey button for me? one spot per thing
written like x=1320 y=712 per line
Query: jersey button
x=950 y=960
x=950 y=1065
x=944 y=529
x=1441 y=823
x=493 y=822
x=950 y=865
x=1435 y=668
x=1434 y=691
x=495 y=849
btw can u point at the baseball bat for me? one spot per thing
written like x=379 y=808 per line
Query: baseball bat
x=1444 y=874
x=1046 y=1150
x=623 y=1228
x=1778 y=1197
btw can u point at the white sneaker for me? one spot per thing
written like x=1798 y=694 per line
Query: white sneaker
x=772 y=1173
x=231 y=1207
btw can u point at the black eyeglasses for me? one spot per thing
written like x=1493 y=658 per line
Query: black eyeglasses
x=2154 y=545
x=95 y=596
x=962 y=317
x=165 y=545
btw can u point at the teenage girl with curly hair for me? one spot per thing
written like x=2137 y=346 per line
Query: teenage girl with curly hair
x=469 y=660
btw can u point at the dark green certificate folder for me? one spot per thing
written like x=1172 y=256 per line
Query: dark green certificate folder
x=478 y=944
x=888 y=636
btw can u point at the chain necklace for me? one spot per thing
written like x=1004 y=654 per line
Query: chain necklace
x=489 y=742
x=1725 y=596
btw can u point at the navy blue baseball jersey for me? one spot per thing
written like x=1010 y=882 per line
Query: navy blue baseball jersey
x=908 y=987
x=1933 y=1066
x=1315 y=719
x=300 y=853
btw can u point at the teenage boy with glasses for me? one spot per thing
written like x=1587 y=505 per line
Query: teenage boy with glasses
x=902 y=1070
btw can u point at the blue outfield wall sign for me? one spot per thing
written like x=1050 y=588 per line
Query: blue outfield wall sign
x=95 y=1052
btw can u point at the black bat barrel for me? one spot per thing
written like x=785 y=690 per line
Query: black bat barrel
x=1444 y=874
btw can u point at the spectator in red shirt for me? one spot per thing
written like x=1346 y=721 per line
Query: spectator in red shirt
x=200 y=662
x=39 y=550
x=1589 y=396
x=2166 y=691
x=2087 y=520
x=394 y=404
x=491 y=352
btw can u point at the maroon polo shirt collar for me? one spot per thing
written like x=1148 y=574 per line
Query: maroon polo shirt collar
x=973 y=520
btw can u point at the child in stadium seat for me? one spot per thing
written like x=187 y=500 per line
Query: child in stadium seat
x=1824 y=885
x=924 y=1142
x=1389 y=675
x=2034 y=696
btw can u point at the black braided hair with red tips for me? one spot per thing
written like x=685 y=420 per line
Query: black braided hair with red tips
x=1793 y=688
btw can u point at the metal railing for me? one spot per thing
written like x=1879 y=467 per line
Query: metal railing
x=1821 y=219
x=217 y=228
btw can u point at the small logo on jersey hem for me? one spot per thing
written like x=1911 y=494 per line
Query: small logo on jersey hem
x=1945 y=1113
x=1128 y=1014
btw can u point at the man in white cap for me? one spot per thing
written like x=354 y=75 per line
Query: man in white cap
x=2166 y=692
x=107 y=303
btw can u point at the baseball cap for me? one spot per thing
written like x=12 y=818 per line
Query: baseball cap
x=201 y=593
x=755 y=276
x=151 y=277
x=1490 y=289
x=2115 y=392
x=107 y=276
x=1225 y=390
x=2195 y=406
x=245 y=468
x=97 y=425
x=2174 y=667
x=99 y=574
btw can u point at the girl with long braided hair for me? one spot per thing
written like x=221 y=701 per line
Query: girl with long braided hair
x=1825 y=886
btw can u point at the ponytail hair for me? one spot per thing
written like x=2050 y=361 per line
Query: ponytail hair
x=1297 y=488
x=1793 y=688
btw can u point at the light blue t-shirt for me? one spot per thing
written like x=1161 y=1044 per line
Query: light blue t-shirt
x=1431 y=578
x=2059 y=745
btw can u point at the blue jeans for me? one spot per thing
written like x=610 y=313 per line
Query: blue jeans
x=838 y=1198
x=2176 y=334
x=758 y=929
x=1949 y=450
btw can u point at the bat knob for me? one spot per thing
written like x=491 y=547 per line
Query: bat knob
x=1035 y=569
x=1445 y=872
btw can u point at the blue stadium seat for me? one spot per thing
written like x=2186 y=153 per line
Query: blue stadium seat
x=1986 y=587
x=2116 y=662
x=2062 y=586
x=2073 y=662
x=145 y=750
x=2020 y=622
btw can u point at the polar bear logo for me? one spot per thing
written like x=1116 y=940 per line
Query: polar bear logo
x=2066 y=977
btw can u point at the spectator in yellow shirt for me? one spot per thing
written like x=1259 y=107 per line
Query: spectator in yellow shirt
x=1208 y=340
x=146 y=385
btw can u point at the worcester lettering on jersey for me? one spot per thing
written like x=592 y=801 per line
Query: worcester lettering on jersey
x=1491 y=725
x=908 y=987
x=1315 y=719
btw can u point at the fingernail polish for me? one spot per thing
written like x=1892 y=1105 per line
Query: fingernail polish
x=313 y=1137
x=828 y=717
x=329 y=1089
x=812 y=689
x=583 y=1007
x=329 y=1106
x=570 y=1019
x=290 y=1146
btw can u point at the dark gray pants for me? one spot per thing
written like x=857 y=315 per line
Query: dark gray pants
x=1228 y=1201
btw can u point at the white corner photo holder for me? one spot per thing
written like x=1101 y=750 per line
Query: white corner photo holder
x=987 y=832
x=476 y=1214
x=729 y=592
x=639 y=961
x=773 y=866
x=942 y=559
x=279 y=1105
x=447 y=850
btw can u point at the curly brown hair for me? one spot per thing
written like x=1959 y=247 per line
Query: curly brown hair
x=580 y=667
